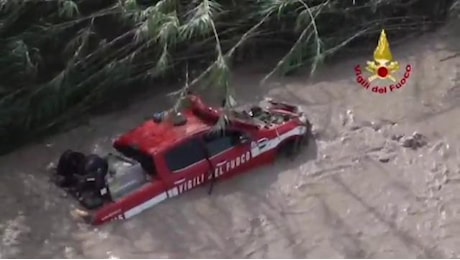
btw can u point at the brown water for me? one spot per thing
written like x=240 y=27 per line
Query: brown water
x=337 y=199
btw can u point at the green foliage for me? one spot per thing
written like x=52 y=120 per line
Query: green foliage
x=61 y=58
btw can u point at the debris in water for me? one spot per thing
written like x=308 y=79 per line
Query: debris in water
x=51 y=166
x=396 y=137
x=69 y=252
x=355 y=127
x=414 y=141
x=343 y=139
x=385 y=155
x=315 y=131
x=384 y=159
x=442 y=148
x=377 y=125
x=348 y=118
x=350 y=115
x=111 y=255
x=63 y=194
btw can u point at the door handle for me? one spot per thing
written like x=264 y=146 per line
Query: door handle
x=179 y=181
x=220 y=163
x=262 y=143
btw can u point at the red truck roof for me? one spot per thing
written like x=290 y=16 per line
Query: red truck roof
x=151 y=136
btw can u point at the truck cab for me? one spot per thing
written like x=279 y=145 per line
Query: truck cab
x=145 y=179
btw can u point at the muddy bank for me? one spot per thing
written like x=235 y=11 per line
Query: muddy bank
x=356 y=192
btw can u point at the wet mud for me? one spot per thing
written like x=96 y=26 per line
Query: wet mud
x=360 y=190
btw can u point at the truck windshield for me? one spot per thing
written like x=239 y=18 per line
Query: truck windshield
x=145 y=160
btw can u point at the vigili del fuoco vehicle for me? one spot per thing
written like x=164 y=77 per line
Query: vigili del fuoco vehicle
x=165 y=157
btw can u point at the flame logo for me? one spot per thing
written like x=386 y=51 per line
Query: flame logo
x=383 y=65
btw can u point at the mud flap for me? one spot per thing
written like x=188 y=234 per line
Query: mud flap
x=297 y=147
x=305 y=139
x=292 y=148
x=301 y=141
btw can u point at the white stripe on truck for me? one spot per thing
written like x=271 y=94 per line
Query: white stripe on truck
x=148 y=204
x=264 y=145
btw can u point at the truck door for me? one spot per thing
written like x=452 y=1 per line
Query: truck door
x=188 y=167
x=229 y=151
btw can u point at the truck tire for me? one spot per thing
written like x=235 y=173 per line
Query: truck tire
x=292 y=147
x=287 y=149
x=305 y=140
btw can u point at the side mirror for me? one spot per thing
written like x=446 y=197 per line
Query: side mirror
x=245 y=139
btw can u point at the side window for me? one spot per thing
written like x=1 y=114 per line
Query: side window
x=185 y=154
x=219 y=141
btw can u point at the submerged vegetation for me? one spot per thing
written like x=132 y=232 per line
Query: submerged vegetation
x=61 y=58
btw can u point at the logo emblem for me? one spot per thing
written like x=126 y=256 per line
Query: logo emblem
x=383 y=65
x=382 y=69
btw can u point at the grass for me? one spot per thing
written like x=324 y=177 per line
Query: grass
x=59 y=59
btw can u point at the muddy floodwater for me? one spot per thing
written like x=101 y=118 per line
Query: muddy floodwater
x=356 y=192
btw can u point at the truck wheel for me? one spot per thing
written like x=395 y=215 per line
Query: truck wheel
x=307 y=136
x=287 y=149
x=305 y=140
